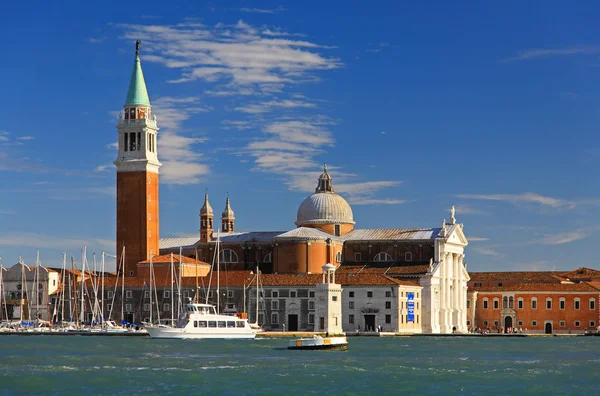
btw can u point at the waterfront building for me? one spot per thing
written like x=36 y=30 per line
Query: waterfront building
x=541 y=302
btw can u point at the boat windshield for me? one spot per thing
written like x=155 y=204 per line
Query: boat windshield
x=202 y=309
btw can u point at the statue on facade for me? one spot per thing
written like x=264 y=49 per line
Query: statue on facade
x=452 y=215
x=431 y=265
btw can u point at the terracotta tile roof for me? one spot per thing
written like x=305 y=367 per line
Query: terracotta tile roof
x=582 y=273
x=166 y=258
x=390 y=268
x=529 y=276
x=538 y=287
x=245 y=278
x=594 y=284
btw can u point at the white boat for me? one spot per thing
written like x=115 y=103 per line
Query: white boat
x=318 y=342
x=200 y=321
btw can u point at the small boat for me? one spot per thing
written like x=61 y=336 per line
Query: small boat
x=317 y=342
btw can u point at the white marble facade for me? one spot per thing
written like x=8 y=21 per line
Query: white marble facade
x=445 y=284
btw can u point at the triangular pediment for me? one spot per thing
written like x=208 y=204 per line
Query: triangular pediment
x=457 y=236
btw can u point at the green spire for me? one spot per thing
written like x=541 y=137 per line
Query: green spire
x=137 y=94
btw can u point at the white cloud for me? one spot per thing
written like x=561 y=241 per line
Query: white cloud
x=102 y=168
x=26 y=138
x=545 y=52
x=264 y=107
x=487 y=251
x=563 y=237
x=524 y=198
x=236 y=53
x=239 y=125
x=477 y=239
x=261 y=10
x=469 y=210
x=7 y=212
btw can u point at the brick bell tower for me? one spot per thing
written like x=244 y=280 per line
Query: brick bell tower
x=137 y=175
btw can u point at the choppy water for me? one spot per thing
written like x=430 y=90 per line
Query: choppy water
x=378 y=366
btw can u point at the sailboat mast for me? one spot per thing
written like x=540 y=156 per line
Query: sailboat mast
x=74 y=290
x=179 y=284
x=196 y=264
x=172 y=295
x=257 y=301
x=218 y=271
x=151 y=272
x=102 y=294
x=82 y=313
x=123 y=284
x=37 y=284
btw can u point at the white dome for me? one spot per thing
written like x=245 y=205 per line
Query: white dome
x=324 y=208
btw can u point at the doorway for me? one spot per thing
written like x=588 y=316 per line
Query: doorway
x=548 y=328
x=508 y=322
x=369 y=322
x=292 y=323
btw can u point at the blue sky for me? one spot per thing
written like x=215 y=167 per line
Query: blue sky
x=414 y=107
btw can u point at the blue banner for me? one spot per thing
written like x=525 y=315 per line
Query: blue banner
x=411 y=307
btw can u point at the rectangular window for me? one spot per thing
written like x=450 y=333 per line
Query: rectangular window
x=139 y=141
x=128 y=294
x=146 y=294
x=333 y=298
x=496 y=323
x=292 y=294
x=357 y=257
x=388 y=305
x=222 y=324
x=592 y=324
x=275 y=305
x=533 y=304
x=485 y=304
x=478 y=284
x=229 y=293
x=186 y=294
x=311 y=305
x=351 y=294
x=351 y=319
x=109 y=307
x=563 y=323
x=388 y=318
x=500 y=284
x=534 y=323
x=468 y=304
x=275 y=294
x=146 y=307
x=311 y=318
x=485 y=322
x=203 y=323
x=370 y=294
x=408 y=256
x=548 y=304
x=592 y=304
x=388 y=294
x=350 y=304
x=166 y=307
x=577 y=323
x=311 y=294
x=496 y=303
x=561 y=304
x=240 y=323
x=274 y=318
x=577 y=304
x=212 y=323
x=125 y=141
x=231 y=324
x=195 y=323
x=468 y=323
x=520 y=323
x=132 y=144
x=166 y=294
x=109 y=294
x=261 y=318
x=337 y=230
x=520 y=304
x=128 y=307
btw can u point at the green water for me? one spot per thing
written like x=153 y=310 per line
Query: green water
x=378 y=366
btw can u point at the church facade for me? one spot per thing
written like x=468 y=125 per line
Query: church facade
x=432 y=259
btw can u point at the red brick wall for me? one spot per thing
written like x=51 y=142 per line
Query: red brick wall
x=527 y=315
x=137 y=217
x=421 y=252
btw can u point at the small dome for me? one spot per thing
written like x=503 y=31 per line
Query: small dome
x=206 y=209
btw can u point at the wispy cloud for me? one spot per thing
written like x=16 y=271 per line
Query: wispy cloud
x=563 y=237
x=477 y=239
x=487 y=251
x=26 y=138
x=264 y=107
x=261 y=10
x=548 y=52
x=524 y=198
x=463 y=209
x=239 y=54
x=7 y=212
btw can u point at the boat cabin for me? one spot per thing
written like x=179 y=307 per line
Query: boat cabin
x=201 y=309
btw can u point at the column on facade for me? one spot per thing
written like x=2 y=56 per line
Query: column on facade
x=457 y=293
x=463 y=293
x=441 y=290
x=449 y=291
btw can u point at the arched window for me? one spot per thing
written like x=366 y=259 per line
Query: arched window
x=520 y=303
x=504 y=302
x=592 y=303
x=485 y=303
x=577 y=303
x=511 y=302
x=228 y=256
x=408 y=256
x=382 y=257
x=496 y=303
x=268 y=258
x=338 y=257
